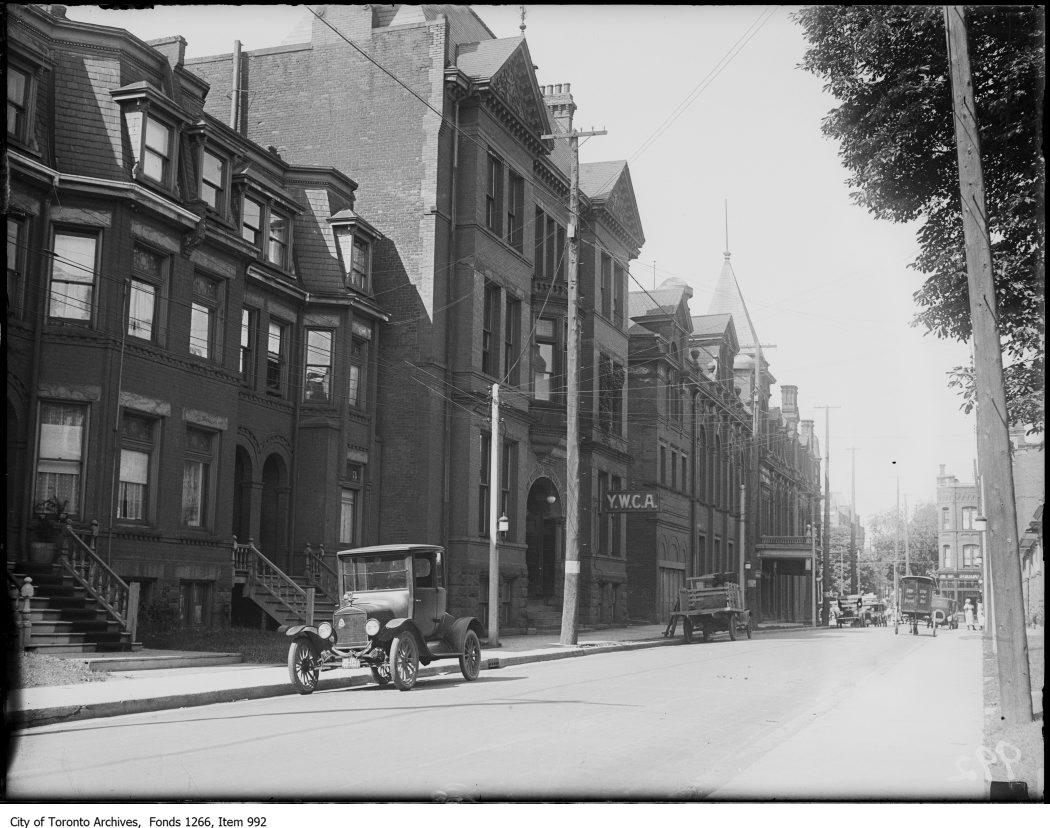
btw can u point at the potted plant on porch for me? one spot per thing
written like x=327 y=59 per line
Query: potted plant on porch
x=48 y=517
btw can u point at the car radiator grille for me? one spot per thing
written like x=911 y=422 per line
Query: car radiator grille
x=350 y=628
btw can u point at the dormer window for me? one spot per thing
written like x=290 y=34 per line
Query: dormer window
x=354 y=238
x=251 y=221
x=156 y=157
x=268 y=228
x=18 y=85
x=213 y=187
x=152 y=121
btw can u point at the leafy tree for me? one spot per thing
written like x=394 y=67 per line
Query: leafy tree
x=888 y=66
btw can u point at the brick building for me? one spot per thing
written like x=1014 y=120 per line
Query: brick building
x=472 y=204
x=1029 y=465
x=959 y=574
x=783 y=477
x=728 y=503
x=690 y=441
x=191 y=324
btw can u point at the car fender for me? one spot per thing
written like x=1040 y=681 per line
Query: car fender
x=459 y=632
x=396 y=627
x=310 y=634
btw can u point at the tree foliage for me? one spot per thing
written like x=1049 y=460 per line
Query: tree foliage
x=886 y=538
x=888 y=66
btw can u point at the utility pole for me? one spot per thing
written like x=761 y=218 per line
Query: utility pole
x=494 y=577
x=993 y=440
x=897 y=552
x=853 y=562
x=827 y=503
x=907 y=549
x=571 y=596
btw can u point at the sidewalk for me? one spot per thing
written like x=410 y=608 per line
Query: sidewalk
x=141 y=691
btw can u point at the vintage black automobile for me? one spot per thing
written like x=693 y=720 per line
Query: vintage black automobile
x=391 y=618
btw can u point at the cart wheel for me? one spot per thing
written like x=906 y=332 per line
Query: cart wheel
x=732 y=627
x=747 y=629
x=687 y=630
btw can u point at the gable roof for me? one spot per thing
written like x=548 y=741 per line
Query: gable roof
x=608 y=186
x=503 y=67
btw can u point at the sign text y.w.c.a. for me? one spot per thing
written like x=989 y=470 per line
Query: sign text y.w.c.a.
x=631 y=502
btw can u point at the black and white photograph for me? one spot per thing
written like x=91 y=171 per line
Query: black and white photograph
x=607 y=408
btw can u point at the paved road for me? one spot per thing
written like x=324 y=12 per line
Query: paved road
x=839 y=714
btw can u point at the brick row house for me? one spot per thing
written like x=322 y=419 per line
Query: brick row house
x=472 y=200
x=191 y=330
x=224 y=361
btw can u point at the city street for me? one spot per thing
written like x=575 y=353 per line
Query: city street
x=827 y=714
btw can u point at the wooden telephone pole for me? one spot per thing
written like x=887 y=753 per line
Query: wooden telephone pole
x=854 y=574
x=993 y=439
x=826 y=562
x=571 y=596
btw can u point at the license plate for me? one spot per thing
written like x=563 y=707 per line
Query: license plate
x=351 y=663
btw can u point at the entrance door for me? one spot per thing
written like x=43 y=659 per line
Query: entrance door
x=668 y=582
x=542 y=529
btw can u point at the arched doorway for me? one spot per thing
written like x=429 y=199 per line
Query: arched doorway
x=242 y=495
x=273 y=517
x=543 y=540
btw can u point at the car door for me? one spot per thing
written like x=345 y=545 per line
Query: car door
x=427 y=606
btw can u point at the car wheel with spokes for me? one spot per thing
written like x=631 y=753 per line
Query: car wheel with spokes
x=303 y=669
x=381 y=674
x=470 y=661
x=404 y=661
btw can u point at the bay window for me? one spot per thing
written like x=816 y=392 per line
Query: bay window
x=318 y=371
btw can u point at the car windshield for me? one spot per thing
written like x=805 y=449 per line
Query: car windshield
x=365 y=573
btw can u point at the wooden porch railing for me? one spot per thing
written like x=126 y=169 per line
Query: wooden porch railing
x=261 y=572
x=320 y=574
x=78 y=557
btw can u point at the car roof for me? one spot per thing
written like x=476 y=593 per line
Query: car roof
x=389 y=549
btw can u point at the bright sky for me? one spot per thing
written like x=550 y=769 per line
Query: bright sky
x=707 y=106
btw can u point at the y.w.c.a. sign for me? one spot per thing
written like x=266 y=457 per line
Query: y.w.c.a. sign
x=631 y=502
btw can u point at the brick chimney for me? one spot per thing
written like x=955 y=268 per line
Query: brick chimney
x=807 y=433
x=354 y=21
x=173 y=48
x=558 y=98
x=789 y=404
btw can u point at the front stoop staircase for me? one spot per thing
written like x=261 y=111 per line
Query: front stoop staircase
x=542 y=617
x=65 y=617
x=287 y=599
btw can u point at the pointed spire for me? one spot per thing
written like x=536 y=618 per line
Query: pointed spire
x=727 y=253
x=522 y=26
x=728 y=298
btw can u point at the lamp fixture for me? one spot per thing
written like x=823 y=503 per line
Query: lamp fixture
x=503 y=524
x=552 y=499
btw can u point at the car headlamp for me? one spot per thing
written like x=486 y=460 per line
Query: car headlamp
x=372 y=627
x=324 y=629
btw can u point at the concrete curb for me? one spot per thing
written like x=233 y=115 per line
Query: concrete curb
x=491 y=660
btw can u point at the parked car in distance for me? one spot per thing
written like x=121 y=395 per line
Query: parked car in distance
x=391 y=618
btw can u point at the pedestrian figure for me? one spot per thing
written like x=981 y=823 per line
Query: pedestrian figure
x=980 y=615
x=968 y=613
